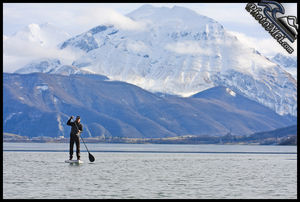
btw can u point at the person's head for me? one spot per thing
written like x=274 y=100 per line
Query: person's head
x=78 y=119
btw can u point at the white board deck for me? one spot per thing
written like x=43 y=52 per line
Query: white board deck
x=74 y=161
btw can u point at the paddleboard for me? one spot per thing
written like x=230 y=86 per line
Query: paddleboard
x=74 y=161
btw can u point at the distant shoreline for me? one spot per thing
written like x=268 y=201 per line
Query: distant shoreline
x=220 y=140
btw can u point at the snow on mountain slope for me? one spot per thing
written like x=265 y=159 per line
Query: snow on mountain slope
x=182 y=52
x=51 y=66
x=285 y=61
x=289 y=63
x=41 y=65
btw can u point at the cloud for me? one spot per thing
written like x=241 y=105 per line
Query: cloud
x=102 y=15
x=18 y=52
x=187 y=47
x=18 y=15
x=266 y=46
x=30 y=44
x=223 y=12
x=74 y=18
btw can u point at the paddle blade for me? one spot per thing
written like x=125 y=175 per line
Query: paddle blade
x=91 y=157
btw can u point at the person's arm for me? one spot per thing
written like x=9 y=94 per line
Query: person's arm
x=69 y=121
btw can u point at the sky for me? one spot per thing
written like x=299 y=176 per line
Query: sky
x=76 y=18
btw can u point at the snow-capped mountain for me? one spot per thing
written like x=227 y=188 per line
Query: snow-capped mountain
x=51 y=66
x=289 y=63
x=41 y=65
x=181 y=52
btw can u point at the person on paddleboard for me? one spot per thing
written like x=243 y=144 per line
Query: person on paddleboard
x=75 y=135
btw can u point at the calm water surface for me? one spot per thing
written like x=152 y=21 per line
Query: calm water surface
x=124 y=171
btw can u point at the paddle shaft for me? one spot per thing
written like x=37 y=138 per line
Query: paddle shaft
x=84 y=144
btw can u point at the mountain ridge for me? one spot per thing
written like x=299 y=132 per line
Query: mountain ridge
x=39 y=104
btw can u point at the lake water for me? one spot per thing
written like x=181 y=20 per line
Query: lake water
x=148 y=171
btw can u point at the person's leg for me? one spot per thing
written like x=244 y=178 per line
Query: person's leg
x=77 y=141
x=71 y=146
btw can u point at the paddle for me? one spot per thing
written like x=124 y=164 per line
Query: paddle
x=91 y=157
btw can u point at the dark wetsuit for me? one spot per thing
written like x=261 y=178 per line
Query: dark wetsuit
x=74 y=137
